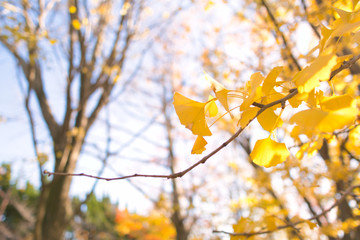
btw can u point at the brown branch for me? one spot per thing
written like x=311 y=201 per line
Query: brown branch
x=11 y=47
x=33 y=76
x=282 y=101
x=292 y=93
x=276 y=24
x=69 y=80
x=313 y=27
x=99 y=39
x=33 y=134
x=347 y=64
x=292 y=225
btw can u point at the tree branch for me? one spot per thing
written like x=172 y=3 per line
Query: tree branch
x=282 y=101
x=273 y=19
x=292 y=225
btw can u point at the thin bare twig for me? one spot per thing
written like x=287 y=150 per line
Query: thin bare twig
x=282 y=101
x=277 y=27
x=292 y=93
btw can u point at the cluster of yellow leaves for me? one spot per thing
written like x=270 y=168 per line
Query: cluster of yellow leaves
x=152 y=227
x=334 y=113
x=192 y=114
x=323 y=116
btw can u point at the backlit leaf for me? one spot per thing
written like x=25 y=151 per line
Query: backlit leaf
x=338 y=119
x=199 y=145
x=268 y=153
x=191 y=114
x=247 y=115
x=253 y=89
x=211 y=110
x=310 y=224
x=268 y=119
x=270 y=223
x=270 y=80
x=314 y=120
x=348 y=22
x=222 y=96
x=310 y=148
x=325 y=36
x=334 y=103
x=310 y=77
x=220 y=91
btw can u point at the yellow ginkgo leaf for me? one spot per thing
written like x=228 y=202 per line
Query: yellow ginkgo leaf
x=210 y=108
x=242 y=225
x=215 y=85
x=270 y=223
x=308 y=119
x=334 y=103
x=220 y=91
x=310 y=148
x=254 y=90
x=222 y=96
x=325 y=37
x=298 y=99
x=348 y=22
x=268 y=153
x=268 y=119
x=270 y=80
x=247 y=115
x=272 y=97
x=314 y=120
x=191 y=114
x=310 y=77
x=339 y=119
x=310 y=224
x=199 y=145
x=295 y=133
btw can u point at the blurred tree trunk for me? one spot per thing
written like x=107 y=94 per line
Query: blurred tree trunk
x=87 y=65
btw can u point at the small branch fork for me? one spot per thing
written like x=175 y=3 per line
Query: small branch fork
x=262 y=107
x=293 y=225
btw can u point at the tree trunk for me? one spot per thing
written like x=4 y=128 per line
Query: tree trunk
x=176 y=218
x=181 y=232
x=55 y=210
